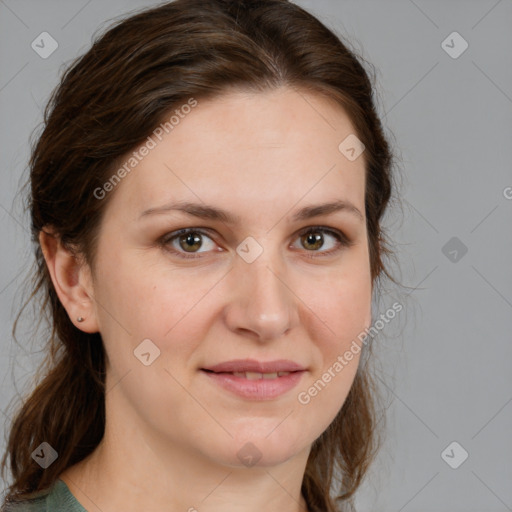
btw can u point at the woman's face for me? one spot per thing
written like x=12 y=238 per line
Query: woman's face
x=260 y=284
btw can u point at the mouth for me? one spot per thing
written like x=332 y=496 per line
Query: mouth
x=252 y=366
x=256 y=380
x=253 y=375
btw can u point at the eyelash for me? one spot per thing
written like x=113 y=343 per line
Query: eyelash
x=343 y=241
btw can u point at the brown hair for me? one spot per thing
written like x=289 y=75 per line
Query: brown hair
x=108 y=101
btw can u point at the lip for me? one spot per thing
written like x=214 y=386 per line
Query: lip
x=259 y=389
x=252 y=365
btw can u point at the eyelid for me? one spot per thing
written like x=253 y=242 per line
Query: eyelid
x=342 y=239
x=169 y=237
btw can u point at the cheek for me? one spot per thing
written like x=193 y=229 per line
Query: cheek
x=341 y=310
x=148 y=300
x=345 y=314
x=342 y=305
x=150 y=329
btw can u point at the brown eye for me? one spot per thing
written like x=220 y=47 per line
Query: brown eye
x=190 y=241
x=312 y=240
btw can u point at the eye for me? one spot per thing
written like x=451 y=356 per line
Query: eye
x=187 y=242
x=313 y=239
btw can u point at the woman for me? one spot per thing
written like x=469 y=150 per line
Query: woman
x=206 y=199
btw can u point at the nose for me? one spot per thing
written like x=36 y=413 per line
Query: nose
x=262 y=305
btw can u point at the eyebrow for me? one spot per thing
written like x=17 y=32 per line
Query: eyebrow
x=204 y=211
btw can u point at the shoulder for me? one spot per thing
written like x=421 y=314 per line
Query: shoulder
x=36 y=503
x=57 y=498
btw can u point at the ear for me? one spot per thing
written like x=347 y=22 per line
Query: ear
x=72 y=281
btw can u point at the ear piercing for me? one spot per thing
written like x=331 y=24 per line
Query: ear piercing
x=80 y=319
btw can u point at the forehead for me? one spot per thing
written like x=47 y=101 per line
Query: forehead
x=250 y=151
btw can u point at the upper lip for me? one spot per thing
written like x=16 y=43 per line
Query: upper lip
x=252 y=365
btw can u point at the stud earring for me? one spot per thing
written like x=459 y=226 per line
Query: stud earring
x=80 y=319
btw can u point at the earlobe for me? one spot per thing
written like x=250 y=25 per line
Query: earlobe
x=71 y=280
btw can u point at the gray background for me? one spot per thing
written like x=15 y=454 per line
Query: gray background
x=445 y=361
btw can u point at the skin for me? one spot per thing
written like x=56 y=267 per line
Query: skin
x=172 y=436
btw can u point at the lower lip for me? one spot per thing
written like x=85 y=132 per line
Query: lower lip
x=260 y=389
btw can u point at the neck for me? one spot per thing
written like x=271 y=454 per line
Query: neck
x=157 y=473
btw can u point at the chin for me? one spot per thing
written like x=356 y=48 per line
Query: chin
x=267 y=449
